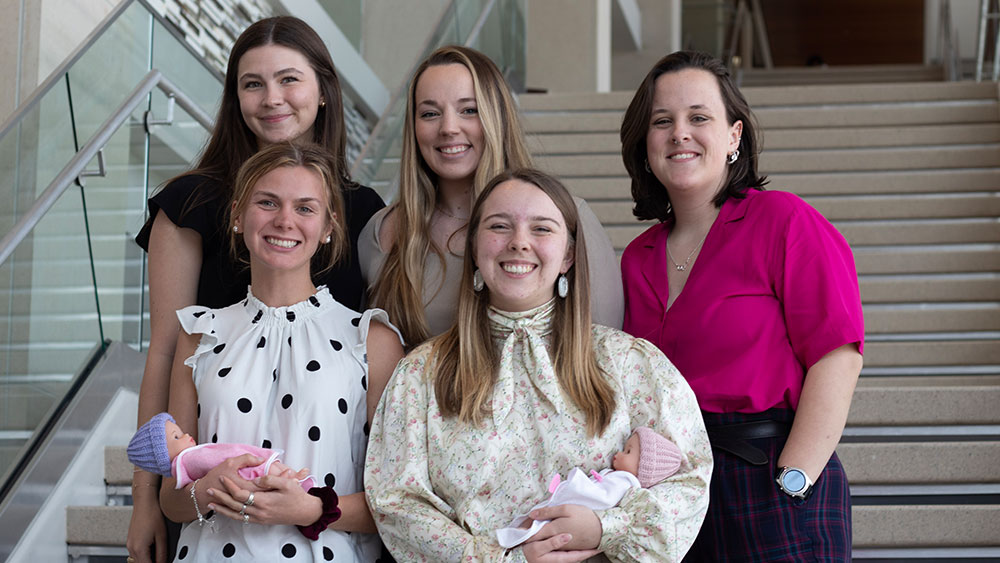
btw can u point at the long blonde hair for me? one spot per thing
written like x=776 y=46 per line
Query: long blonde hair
x=312 y=157
x=464 y=358
x=399 y=288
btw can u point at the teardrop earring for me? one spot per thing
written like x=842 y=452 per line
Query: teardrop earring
x=477 y=281
x=562 y=286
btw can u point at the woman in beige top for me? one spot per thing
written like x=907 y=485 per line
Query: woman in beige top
x=461 y=129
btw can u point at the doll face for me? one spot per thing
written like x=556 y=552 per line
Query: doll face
x=177 y=440
x=628 y=458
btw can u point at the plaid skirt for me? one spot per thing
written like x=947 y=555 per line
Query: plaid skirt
x=750 y=519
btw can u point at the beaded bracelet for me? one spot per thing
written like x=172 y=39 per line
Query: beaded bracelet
x=331 y=512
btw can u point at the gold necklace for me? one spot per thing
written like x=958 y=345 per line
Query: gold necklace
x=682 y=267
x=443 y=212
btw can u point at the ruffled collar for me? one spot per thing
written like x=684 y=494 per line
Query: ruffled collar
x=523 y=341
x=297 y=312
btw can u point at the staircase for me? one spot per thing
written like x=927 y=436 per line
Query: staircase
x=910 y=174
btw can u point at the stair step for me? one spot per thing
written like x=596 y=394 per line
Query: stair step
x=761 y=97
x=925 y=400
x=97 y=525
x=117 y=468
x=911 y=181
x=930 y=287
x=893 y=73
x=920 y=462
x=925 y=525
x=927 y=259
x=551 y=144
x=932 y=353
x=931 y=317
x=856 y=207
x=797 y=161
x=799 y=116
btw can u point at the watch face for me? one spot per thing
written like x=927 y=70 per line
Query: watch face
x=793 y=480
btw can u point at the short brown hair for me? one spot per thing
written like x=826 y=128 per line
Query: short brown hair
x=650 y=196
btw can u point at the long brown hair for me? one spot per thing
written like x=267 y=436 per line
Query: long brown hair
x=464 y=358
x=232 y=142
x=650 y=196
x=313 y=158
x=399 y=288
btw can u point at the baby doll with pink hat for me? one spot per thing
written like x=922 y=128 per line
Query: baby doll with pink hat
x=647 y=459
x=161 y=447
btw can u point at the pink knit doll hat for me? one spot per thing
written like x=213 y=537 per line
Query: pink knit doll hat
x=659 y=458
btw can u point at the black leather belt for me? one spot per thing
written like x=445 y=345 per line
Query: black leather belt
x=733 y=438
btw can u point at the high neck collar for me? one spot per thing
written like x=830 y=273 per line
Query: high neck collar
x=538 y=320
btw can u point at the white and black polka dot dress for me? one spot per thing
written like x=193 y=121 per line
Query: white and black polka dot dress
x=293 y=378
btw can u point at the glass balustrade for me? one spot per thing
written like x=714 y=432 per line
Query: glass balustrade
x=78 y=277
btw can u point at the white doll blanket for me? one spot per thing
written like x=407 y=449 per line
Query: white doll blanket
x=596 y=493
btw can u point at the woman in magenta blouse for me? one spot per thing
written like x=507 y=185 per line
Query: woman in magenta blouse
x=754 y=297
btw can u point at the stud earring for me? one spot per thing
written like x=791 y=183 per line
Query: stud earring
x=647 y=166
x=733 y=157
x=322 y=103
x=236 y=228
x=328 y=239
x=477 y=281
x=562 y=286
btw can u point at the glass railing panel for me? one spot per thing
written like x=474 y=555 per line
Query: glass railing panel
x=103 y=76
x=176 y=62
x=49 y=324
x=31 y=154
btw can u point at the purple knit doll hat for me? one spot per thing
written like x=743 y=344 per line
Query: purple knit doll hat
x=659 y=458
x=148 y=448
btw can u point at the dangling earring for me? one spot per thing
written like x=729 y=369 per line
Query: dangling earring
x=562 y=286
x=732 y=158
x=647 y=166
x=327 y=241
x=477 y=281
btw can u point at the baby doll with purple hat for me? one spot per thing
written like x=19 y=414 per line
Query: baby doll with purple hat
x=161 y=447
x=647 y=459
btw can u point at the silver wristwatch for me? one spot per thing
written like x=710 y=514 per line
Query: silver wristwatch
x=794 y=482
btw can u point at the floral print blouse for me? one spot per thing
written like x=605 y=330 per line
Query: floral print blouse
x=440 y=488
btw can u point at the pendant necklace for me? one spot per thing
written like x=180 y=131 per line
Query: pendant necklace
x=682 y=267
x=443 y=212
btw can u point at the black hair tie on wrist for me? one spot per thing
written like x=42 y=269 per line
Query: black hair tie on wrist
x=331 y=512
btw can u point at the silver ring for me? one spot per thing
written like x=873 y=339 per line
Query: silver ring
x=246 y=518
x=244 y=509
x=249 y=501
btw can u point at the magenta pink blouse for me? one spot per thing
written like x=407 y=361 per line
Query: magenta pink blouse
x=773 y=290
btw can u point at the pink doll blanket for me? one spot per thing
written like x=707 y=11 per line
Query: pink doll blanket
x=195 y=462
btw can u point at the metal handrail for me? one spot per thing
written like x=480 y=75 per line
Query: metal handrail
x=76 y=165
x=57 y=75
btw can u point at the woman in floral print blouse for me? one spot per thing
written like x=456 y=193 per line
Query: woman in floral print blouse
x=475 y=421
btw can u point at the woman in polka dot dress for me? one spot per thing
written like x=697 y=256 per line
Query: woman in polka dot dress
x=288 y=367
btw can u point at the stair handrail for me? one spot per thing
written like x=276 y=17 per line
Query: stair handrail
x=75 y=166
x=433 y=41
x=59 y=74
x=946 y=43
x=985 y=17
